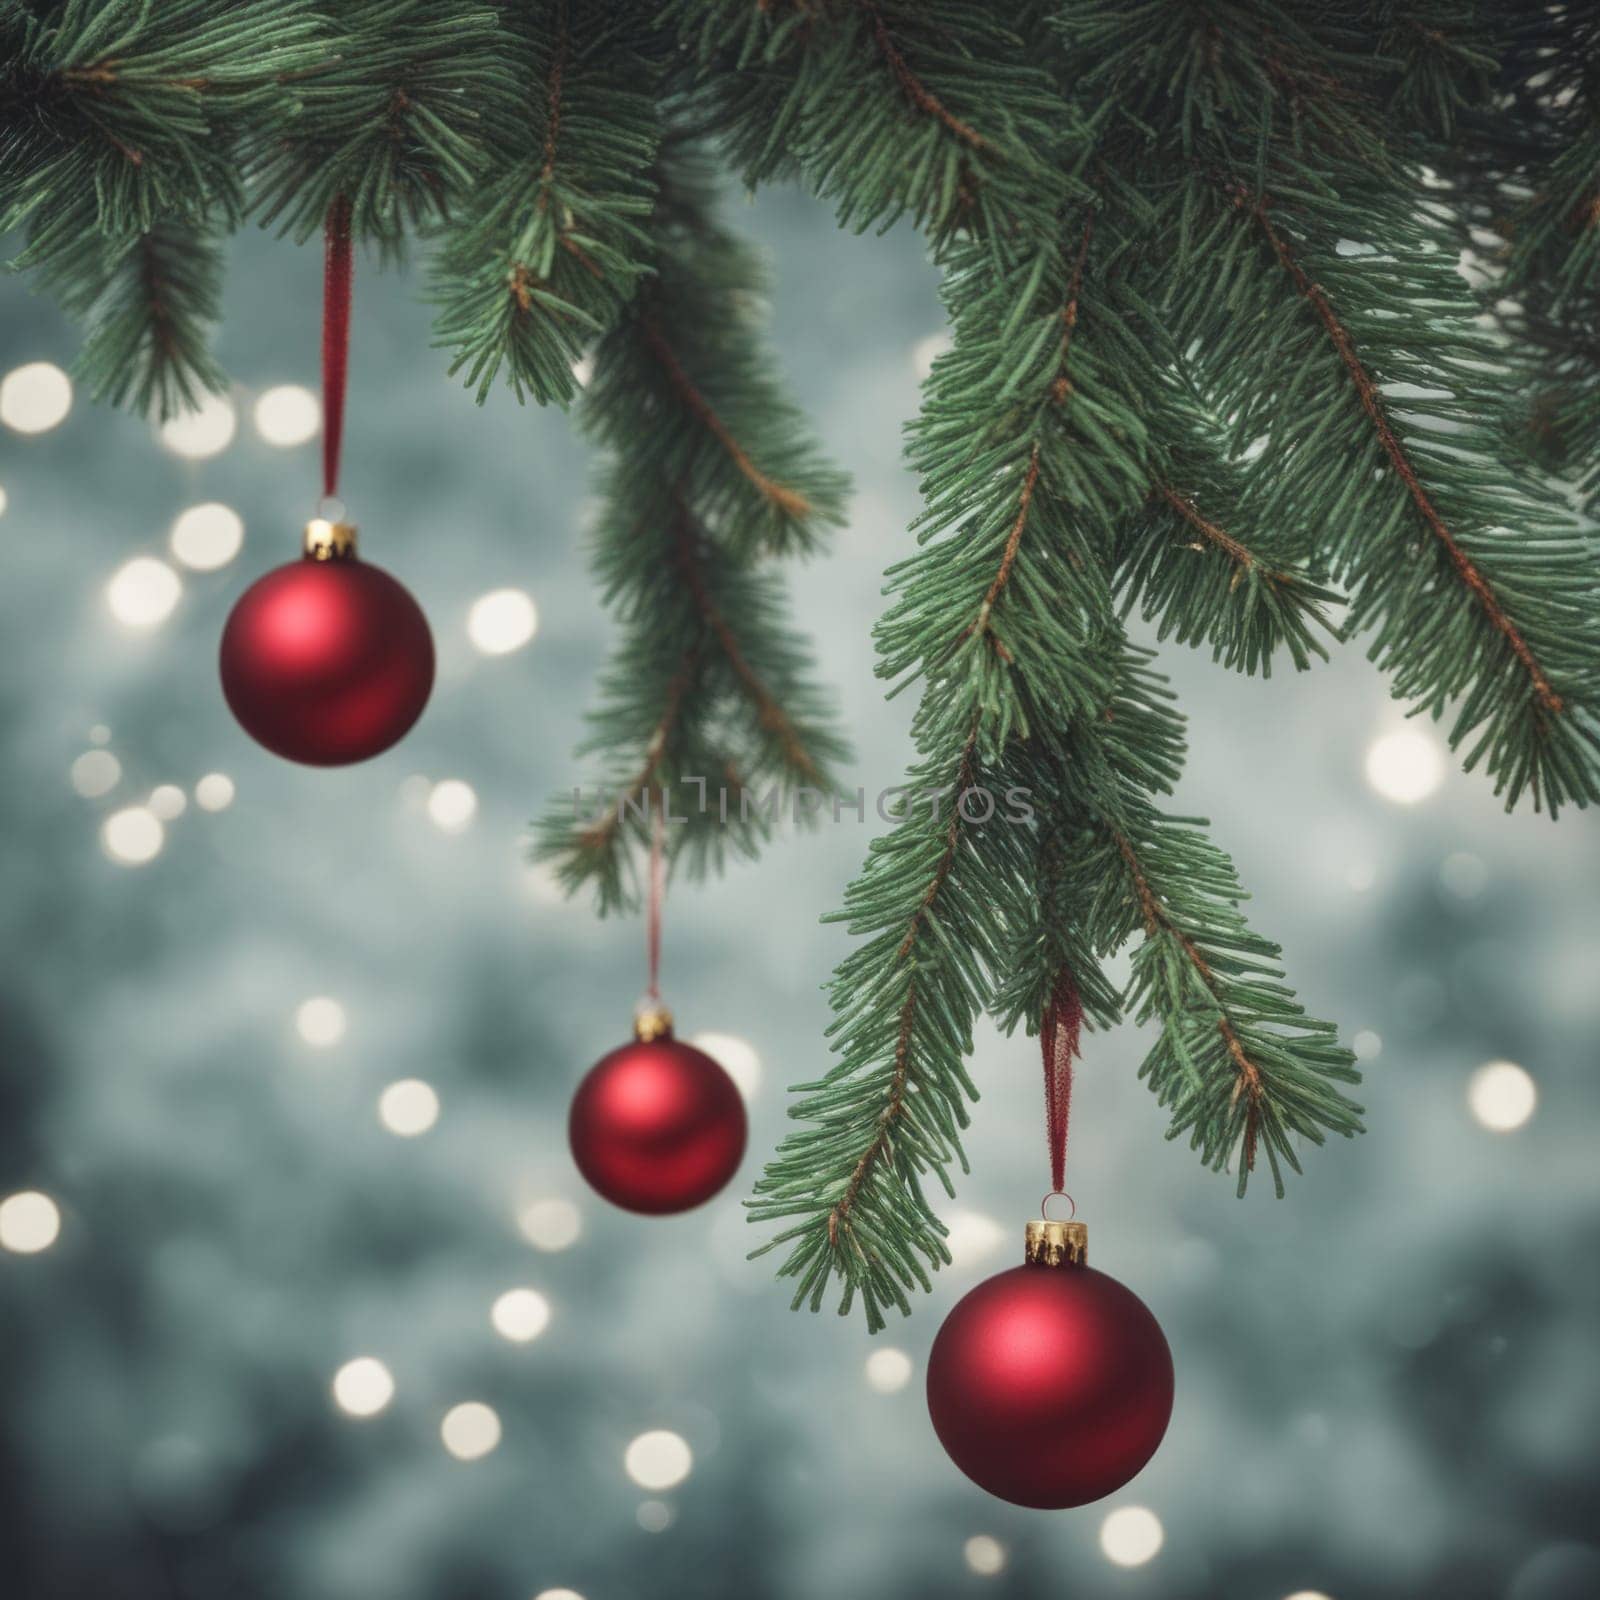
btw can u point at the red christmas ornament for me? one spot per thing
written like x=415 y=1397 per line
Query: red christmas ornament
x=657 y=1126
x=1050 y=1385
x=328 y=659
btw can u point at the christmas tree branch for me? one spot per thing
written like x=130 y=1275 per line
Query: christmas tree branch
x=544 y=253
x=707 y=684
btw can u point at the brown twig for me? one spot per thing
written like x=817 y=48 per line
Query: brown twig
x=839 y=1214
x=915 y=90
x=1372 y=404
x=1247 y=1080
x=789 y=502
x=553 y=124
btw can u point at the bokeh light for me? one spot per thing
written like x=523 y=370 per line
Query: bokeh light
x=363 y=1387
x=1308 y=1594
x=206 y=431
x=654 y=1516
x=926 y=351
x=888 y=1370
x=320 y=1021
x=550 y=1225
x=408 y=1108
x=737 y=1057
x=35 y=397
x=143 y=592
x=96 y=772
x=558 y=1594
x=1502 y=1096
x=1405 y=766
x=985 y=1555
x=132 y=836
x=3 y=502
x=167 y=801
x=452 y=805
x=1131 y=1536
x=520 y=1315
x=658 y=1460
x=214 y=792
x=502 y=621
x=29 y=1222
x=1368 y=1046
x=207 y=536
x=470 y=1430
x=972 y=1237
x=287 y=415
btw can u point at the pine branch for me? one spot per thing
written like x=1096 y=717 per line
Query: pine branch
x=709 y=704
x=931 y=111
x=541 y=257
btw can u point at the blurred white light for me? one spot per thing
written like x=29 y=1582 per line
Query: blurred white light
x=452 y=805
x=96 y=772
x=926 y=351
x=363 y=1387
x=470 y=1430
x=737 y=1057
x=502 y=621
x=206 y=431
x=550 y=1224
x=408 y=1108
x=320 y=1021
x=3 y=502
x=287 y=415
x=214 y=792
x=132 y=836
x=1367 y=1045
x=583 y=371
x=971 y=1237
x=558 y=1594
x=1502 y=1096
x=35 y=397
x=520 y=1315
x=143 y=592
x=1308 y=1594
x=1405 y=766
x=658 y=1460
x=985 y=1556
x=888 y=1370
x=29 y=1222
x=654 y=1516
x=167 y=801
x=207 y=536
x=1131 y=1536
x=1463 y=875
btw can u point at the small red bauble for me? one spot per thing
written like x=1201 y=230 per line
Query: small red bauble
x=657 y=1126
x=1050 y=1385
x=327 y=660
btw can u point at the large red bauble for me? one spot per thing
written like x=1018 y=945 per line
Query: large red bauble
x=327 y=662
x=1050 y=1386
x=657 y=1126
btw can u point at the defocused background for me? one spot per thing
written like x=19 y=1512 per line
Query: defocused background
x=300 y=1295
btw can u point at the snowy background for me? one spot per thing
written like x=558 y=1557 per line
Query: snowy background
x=285 y=1057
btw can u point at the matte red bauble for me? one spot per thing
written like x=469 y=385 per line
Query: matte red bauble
x=327 y=660
x=657 y=1126
x=1050 y=1385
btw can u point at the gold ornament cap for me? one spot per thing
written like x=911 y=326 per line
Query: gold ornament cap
x=1056 y=1244
x=329 y=541
x=652 y=1021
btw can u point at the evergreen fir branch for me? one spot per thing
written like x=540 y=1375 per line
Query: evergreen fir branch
x=398 y=118
x=543 y=254
x=931 y=111
x=711 y=468
x=849 y=1188
x=148 y=311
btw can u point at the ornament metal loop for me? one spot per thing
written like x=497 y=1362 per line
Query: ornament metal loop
x=329 y=541
x=1057 y=1194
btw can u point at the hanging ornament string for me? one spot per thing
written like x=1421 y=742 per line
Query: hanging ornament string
x=337 y=274
x=657 y=894
x=1058 y=1038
